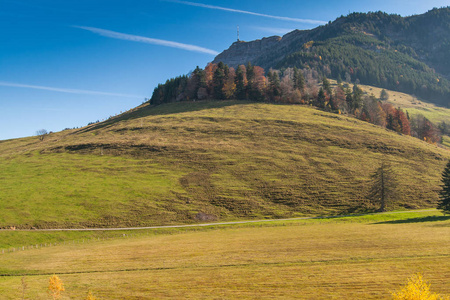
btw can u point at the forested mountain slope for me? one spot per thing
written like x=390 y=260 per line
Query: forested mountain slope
x=407 y=54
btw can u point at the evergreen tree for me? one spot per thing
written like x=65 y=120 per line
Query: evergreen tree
x=219 y=79
x=444 y=128
x=444 y=195
x=326 y=85
x=299 y=80
x=321 y=98
x=383 y=186
x=349 y=99
x=391 y=123
x=274 y=90
x=357 y=97
x=384 y=95
x=193 y=84
x=339 y=80
x=250 y=81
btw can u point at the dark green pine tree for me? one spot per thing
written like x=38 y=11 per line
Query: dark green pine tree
x=252 y=90
x=357 y=97
x=383 y=186
x=384 y=95
x=326 y=85
x=274 y=90
x=321 y=98
x=349 y=99
x=299 y=80
x=444 y=195
x=219 y=78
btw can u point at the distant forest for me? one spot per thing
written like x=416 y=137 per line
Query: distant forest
x=294 y=86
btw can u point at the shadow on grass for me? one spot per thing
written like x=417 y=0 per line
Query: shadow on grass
x=417 y=220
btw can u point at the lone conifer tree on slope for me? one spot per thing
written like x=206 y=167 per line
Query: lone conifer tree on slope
x=383 y=186
x=444 y=202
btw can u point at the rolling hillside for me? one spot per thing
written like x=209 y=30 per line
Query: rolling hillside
x=215 y=160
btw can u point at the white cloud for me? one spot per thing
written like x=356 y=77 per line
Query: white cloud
x=316 y=22
x=142 y=39
x=64 y=90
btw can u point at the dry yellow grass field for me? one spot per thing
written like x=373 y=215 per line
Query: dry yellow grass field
x=349 y=258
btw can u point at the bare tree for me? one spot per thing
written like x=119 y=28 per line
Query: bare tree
x=41 y=133
x=383 y=186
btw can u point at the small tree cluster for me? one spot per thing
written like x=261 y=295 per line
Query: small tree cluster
x=423 y=129
x=384 y=114
x=55 y=288
x=248 y=82
x=220 y=82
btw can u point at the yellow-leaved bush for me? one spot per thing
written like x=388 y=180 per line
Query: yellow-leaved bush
x=55 y=287
x=417 y=289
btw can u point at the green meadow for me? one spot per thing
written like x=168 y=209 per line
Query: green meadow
x=211 y=162
x=185 y=163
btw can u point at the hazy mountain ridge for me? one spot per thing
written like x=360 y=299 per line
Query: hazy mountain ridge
x=407 y=54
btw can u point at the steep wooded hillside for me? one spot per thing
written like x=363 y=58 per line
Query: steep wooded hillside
x=404 y=54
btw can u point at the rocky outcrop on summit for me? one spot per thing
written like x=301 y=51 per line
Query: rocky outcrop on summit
x=265 y=52
x=241 y=52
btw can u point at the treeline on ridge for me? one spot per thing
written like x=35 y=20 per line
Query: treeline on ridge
x=361 y=58
x=406 y=54
x=293 y=86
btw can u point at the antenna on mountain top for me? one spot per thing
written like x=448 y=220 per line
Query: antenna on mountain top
x=238 y=33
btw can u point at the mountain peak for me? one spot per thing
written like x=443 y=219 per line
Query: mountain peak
x=408 y=54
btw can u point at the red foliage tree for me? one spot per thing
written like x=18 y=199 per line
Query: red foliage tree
x=402 y=121
x=229 y=87
x=210 y=69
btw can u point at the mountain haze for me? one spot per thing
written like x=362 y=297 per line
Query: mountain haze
x=407 y=54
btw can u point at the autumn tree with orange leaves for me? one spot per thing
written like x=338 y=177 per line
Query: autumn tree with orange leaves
x=55 y=287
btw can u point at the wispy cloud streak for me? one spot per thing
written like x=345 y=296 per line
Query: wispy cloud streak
x=308 y=21
x=63 y=90
x=147 y=40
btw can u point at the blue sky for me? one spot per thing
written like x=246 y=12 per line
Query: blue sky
x=66 y=63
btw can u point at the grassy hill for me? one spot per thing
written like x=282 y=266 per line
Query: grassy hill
x=197 y=161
